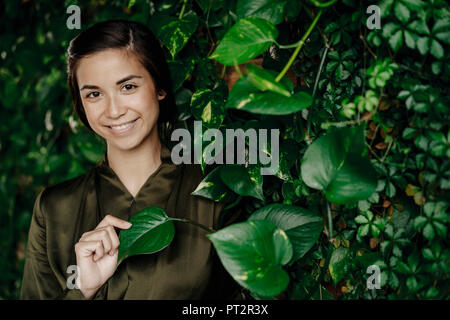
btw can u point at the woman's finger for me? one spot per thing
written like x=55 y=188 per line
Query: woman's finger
x=113 y=237
x=113 y=221
x=88 y=248
x=100 y=235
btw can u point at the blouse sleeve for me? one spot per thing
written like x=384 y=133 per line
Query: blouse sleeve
x=39 y=280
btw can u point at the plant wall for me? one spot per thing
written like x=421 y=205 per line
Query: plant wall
x=363 y=115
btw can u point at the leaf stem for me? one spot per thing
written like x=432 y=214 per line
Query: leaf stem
x=182 y=9
x=299 y=47
x=234 y=203
x=322 y=272
x=323 y=5
x=193 y=223
x=308 y=128
x=330 y=222
x=387 y=151
x=238 y=70
x=366 y=117
x=367 y=46
x=374 y=135
x=222 y=74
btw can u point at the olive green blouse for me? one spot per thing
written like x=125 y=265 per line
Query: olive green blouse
x=187 y=269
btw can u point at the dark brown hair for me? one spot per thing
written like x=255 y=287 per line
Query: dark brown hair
x=137 y=39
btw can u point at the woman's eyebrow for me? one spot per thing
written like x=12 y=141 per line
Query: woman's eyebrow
x=88 y=86
x=128 y=78
x=132 y=76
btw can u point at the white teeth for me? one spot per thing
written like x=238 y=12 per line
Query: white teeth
x=123 y=126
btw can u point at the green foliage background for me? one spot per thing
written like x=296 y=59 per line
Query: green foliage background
x=390 y=85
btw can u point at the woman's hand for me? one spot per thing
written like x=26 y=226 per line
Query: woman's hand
x=96 y=253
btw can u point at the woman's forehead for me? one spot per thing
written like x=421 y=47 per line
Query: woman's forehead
x=108 y=65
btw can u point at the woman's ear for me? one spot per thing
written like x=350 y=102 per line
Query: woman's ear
x=161 y=94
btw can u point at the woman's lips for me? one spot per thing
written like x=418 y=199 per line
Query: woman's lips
x=122 y=129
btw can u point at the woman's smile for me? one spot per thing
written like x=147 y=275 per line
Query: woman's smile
x=123 y=128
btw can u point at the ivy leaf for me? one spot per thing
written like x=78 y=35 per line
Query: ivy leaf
x=435 y=220
x=396 y=40
x=412 y=283
x=410 y=39
x=367 y=102
x=253 y=252
x=363 y=231
x=152 y=231
x=302 y=226
x=401 y=12
x=436 y=49
x=429 y=42
x=361 y=219
x=381 y=72
x=441 y=30
x=248 y=38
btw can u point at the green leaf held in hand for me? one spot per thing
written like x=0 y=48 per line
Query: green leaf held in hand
x=152 y=231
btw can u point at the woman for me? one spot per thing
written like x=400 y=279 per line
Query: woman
x=121 y=90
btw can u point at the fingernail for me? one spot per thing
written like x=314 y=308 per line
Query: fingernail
x=129 y=224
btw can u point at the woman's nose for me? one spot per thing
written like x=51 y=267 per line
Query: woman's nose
x=115 y=107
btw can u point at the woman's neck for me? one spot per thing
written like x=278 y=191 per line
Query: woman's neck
x=135 y=166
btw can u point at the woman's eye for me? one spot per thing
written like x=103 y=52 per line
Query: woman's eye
x=93 y=94
x=128 y=87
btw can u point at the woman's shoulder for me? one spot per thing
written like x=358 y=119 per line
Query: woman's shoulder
x=193 y=174
x=64 y=192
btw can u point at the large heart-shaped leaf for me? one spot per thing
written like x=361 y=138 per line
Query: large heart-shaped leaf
x=245 y=96
x=267 y=9
x=253 y=252
x=337 y=164
x=264 y=80
x=152 y=231
x=208 y=106
x=243 y=181
x=338 y=263
x=173 y=32
x=180 y=71
x=212 y=187
x=302 y=226
x=245 y=40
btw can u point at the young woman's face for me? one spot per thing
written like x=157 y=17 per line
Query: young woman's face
x=119 y=97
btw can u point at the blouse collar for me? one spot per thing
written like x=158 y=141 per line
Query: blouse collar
x=155 y=191
x=165 y=157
